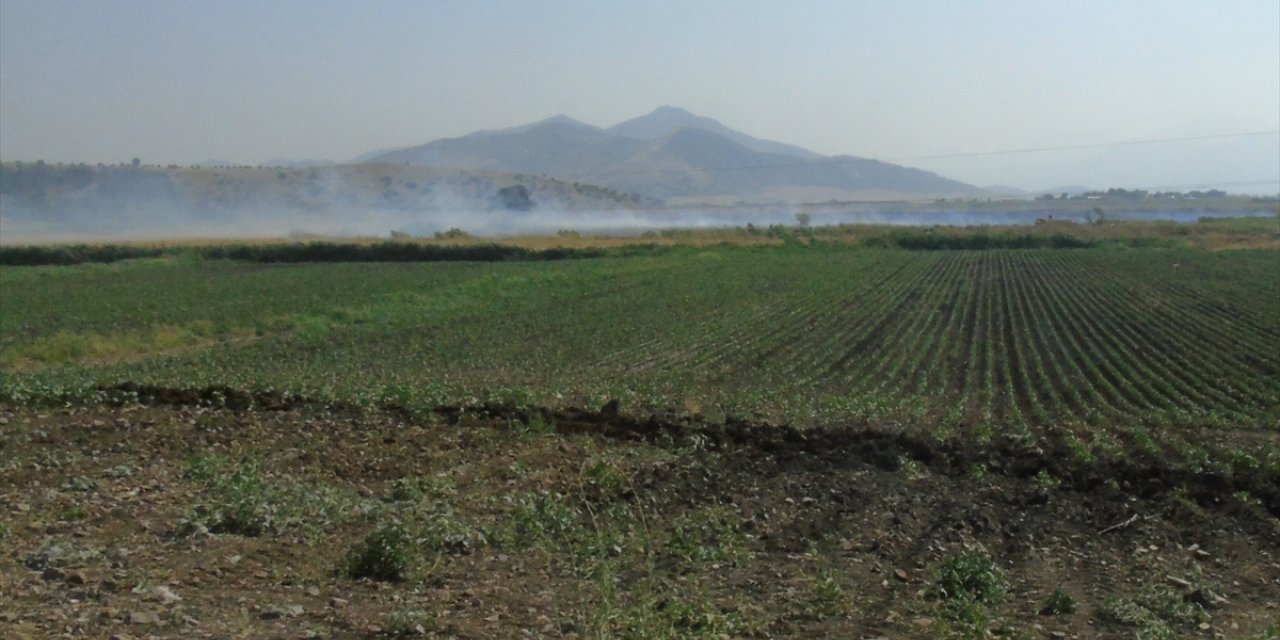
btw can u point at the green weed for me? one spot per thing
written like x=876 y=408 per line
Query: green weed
x=385 y=554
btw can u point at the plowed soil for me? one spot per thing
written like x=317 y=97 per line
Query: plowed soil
x=587 y=524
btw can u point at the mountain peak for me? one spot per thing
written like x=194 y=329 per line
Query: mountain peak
x=667 y=119
x=664 y=121
x=558 y=120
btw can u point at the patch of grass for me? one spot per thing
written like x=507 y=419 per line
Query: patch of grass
x=1270 y=633
x=535 y=518
x=407 y=489
x=707 y=536
x=81 y=484
x=237 y=498
x=606 y=476
x=408 y=623
x=662 y=614
x=1156 y=614
x=385 y=554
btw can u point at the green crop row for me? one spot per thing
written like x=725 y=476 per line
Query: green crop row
x=1090 y=346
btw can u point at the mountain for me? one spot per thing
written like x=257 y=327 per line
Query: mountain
x=671 y=153
x=667 y=120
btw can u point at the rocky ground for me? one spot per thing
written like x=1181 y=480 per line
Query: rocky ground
x=305 y=522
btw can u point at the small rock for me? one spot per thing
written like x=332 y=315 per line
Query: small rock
x=165 y=595
x=900 y=574
x=313 y=591
x=77 y=578
x=143 y=617
x=1178 y=582
x=338 y=603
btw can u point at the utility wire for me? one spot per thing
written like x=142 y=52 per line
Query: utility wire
x=1127 y=143
x=970 y=154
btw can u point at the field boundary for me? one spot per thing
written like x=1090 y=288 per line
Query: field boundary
x=887 y=448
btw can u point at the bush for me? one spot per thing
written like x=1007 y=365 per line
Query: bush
x=385 y=554
x=1060 y=602
x=971 y=576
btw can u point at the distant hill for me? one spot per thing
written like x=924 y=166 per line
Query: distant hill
x=351 y=199
x=671 y=153
x=667 y=120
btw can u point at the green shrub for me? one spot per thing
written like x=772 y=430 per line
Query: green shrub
x=1059 y=602
x=971 y=576
x=385 y=554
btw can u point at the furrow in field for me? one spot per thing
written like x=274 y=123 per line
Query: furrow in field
x=1165 y=352
x=1091 y=391
x=1125 y=355
x=901 y=328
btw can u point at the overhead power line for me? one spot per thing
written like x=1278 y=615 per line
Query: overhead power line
x=968 y=154
x=1126 y=143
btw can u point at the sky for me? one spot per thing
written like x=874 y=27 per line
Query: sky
x=184 y=81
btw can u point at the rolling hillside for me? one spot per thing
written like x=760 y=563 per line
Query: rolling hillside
x=671 y=153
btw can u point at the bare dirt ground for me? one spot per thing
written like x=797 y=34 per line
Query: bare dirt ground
x=184 y=521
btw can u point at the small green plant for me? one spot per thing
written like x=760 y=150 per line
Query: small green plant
x=408 y=623
x=538 y=425
x=1270 y=633
x=407 y=489
x=237 y=501
x=1058 y=603
x=1157 y=613
x=971 y=576
x=705 y=536
x=606 y=476
x=81 y=484
x=536 y=517
x=910 y=467
x=827 y=597
x=385 y=554
x=1047 y=482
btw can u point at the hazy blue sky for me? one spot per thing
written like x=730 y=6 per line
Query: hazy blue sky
x=187 y=81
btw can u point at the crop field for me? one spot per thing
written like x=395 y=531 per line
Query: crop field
x=634 y=399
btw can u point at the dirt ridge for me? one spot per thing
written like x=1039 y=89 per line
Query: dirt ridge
x=886 y=447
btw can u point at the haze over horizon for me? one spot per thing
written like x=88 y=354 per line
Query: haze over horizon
x=246 y=82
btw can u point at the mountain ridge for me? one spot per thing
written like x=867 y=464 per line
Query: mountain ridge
x=670 y=152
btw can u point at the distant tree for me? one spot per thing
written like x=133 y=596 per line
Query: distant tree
x=803 y=218
x=137 y=162
x=515 y=198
